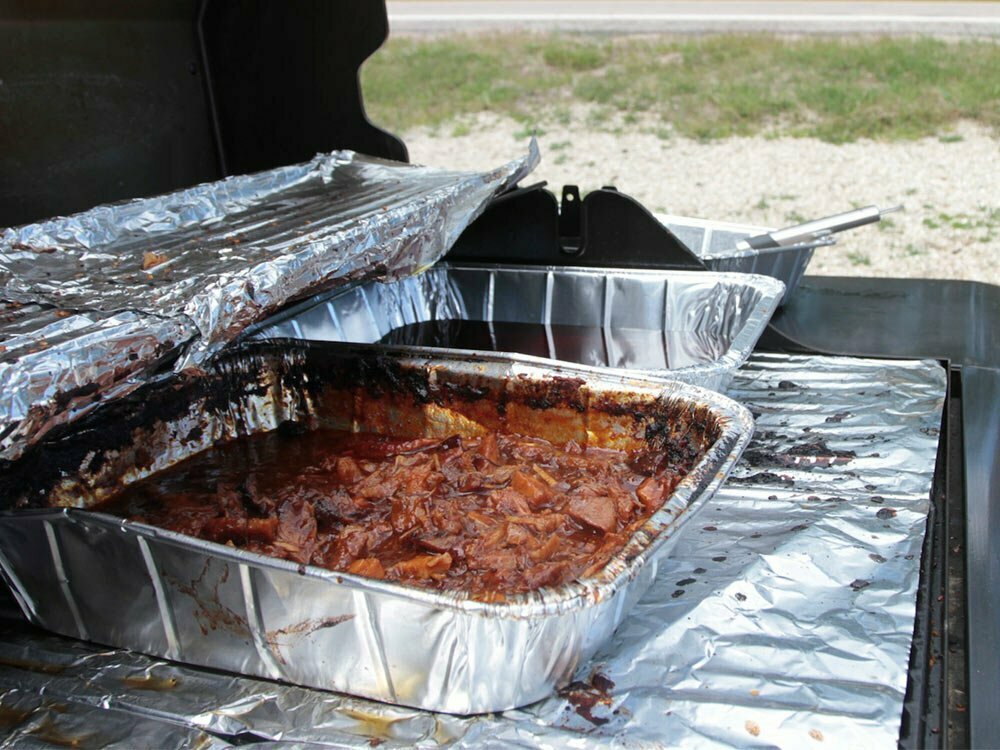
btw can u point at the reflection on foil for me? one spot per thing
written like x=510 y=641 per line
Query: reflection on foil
x=92 y=303
x=30 y=719
x=700 y=326
x=784 y=619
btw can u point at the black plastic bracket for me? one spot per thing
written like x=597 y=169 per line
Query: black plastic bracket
x=606 y=228
x=570 y=222
x=618 y=230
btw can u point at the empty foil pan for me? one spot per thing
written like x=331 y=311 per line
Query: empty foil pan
x=696 y=327
x=714 y=242
x=99 y=578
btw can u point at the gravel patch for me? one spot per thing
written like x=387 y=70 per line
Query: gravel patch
x=950 y=189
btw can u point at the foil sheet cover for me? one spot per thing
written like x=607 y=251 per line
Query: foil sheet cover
x=90 y=303
x=700 y=326
x=784 y=620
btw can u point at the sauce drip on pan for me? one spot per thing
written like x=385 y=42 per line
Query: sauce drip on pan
x=491 y=515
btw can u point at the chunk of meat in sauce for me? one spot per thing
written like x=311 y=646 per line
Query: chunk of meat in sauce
x=422 y=567
x=440 y=543
x=653 y=491
x=338 y=506
x=489 y=449
x=347 y=470
x=230 y=501
x=532 y=489
x=546 y=574
x=509 y=502
x=367 y=566
x=593 y=510
x=297 y=529
x=547 y=550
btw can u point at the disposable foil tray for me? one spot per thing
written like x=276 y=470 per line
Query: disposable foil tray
x=102 y=579
x=695 y=327
x=714 y=242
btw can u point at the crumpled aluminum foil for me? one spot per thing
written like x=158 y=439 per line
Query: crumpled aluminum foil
x=784 y=620
x=90 y=303
x=32 y=719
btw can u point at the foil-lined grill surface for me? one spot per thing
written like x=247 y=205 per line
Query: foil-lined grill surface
x=34 y=719
x=785 y=618
x=701 y=325
x=91 y=303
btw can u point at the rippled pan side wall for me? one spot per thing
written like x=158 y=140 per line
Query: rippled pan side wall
x=711 y=319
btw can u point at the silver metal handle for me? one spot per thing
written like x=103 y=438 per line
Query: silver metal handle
x=824 y=241
x=814 y=230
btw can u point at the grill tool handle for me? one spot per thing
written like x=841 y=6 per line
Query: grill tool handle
x=809 y=232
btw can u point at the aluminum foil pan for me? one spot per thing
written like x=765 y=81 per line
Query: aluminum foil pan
x=99 y=578
x=93 y=302
x=714 y=242
x=694 y=327
x=784 y=617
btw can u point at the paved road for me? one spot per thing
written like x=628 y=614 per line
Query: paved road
x=648 y=16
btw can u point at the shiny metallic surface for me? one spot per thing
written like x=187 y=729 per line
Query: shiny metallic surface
x=99 y=578
x=33 y=717
x=836 y=223
x=715 y=243
x=95 y=301
x=782 y=618
x=710 y=319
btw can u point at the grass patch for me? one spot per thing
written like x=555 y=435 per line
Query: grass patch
x=702 y=87
x=571 y=54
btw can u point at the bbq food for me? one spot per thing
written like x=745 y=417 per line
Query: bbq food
x=491 y=515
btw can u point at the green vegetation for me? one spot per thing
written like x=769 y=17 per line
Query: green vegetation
x=703 y=87
x=989 y=219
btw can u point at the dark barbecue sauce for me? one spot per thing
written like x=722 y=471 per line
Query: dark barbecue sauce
x=632 y=348
x=491 y=515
